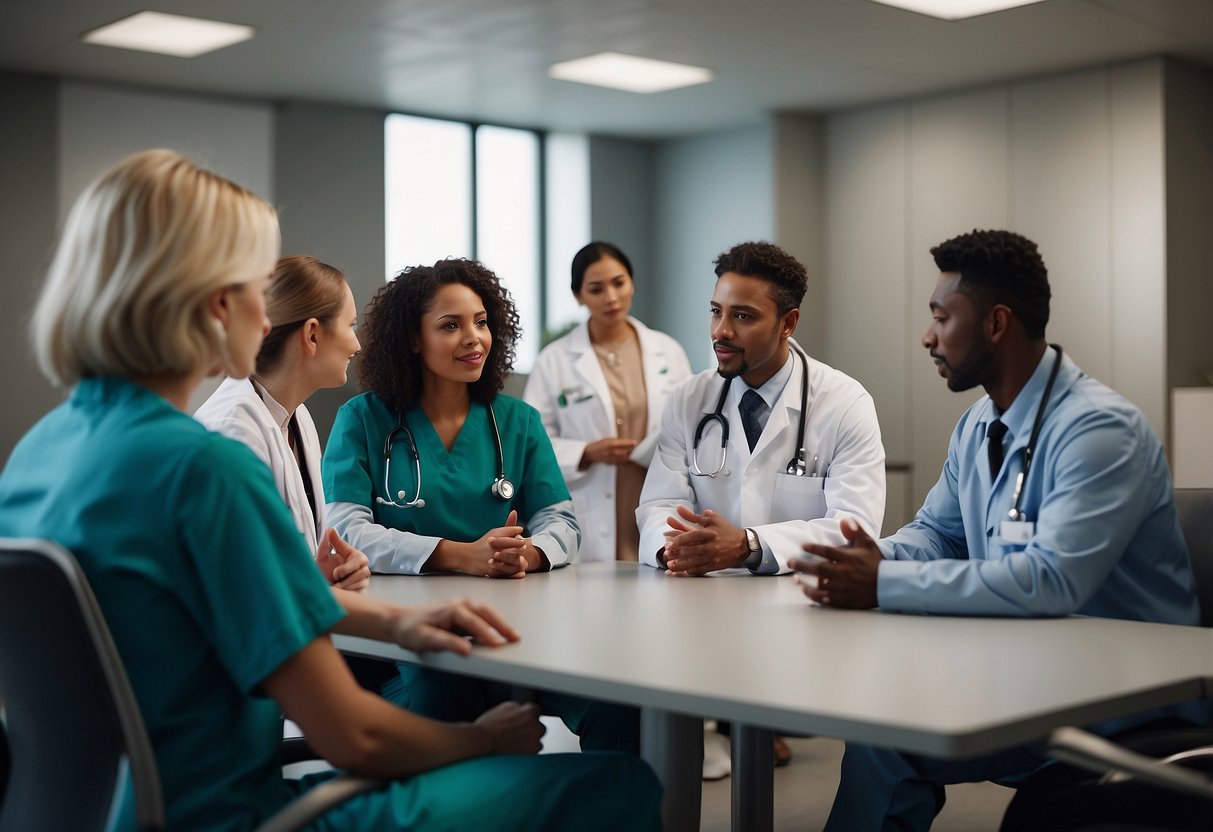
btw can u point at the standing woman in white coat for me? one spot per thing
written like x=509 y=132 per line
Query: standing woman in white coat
x=600 y=391
x=309 y=346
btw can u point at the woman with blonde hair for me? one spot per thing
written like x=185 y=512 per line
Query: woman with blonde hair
x=221 y=621
x=309 y=347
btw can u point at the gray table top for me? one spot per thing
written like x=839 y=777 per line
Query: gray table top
x=753 y=650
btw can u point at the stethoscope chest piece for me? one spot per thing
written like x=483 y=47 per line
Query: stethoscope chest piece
x=502 y=488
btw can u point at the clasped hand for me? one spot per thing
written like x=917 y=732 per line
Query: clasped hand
x=846 y=575
x=697 y=544
x=506 y=553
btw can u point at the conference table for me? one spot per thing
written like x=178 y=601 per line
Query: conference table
x=753 y=650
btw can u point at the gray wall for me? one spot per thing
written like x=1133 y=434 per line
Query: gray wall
x=711 y=192
x=1074 y=162
x=28 y=211
x=622 y=210
x=329 y=169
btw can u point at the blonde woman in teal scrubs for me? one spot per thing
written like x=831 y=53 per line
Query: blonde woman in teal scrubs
x=205 y=582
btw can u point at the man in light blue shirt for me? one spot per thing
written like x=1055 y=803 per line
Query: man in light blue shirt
x=1055 y=499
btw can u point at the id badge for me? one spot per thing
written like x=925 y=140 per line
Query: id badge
x=1017 y=531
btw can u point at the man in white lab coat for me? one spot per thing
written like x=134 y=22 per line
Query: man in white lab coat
x=803 y=445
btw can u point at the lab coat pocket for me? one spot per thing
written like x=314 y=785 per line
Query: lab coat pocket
x=798 y=498
x=577 y=413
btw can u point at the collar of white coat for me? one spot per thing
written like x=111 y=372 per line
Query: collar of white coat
x=277 y=412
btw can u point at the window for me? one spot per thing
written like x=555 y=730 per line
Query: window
x=458 y=190
x=428 y=211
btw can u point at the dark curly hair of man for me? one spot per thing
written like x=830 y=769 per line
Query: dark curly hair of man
x=388 y=366
x=787 y=276
x=1000 y=267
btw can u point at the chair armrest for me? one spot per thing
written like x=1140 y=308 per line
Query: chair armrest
x=316 y=801
x=1081 y=748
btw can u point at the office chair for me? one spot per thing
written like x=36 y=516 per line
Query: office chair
x=74 y=730
x=1159 y=776
x=1195 y=507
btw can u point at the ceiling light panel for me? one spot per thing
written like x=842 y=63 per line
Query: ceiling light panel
x=169 y=34
x=956 y=9
x=629 y=73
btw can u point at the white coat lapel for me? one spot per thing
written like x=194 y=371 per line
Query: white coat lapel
x=656 y=369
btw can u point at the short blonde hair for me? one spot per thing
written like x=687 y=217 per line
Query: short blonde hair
x=144 y=248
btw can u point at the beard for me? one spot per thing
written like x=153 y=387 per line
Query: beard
x=974 y=368
x=729 y=375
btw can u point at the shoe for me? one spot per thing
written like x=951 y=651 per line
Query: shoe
x=717 y=759
x=783 y=752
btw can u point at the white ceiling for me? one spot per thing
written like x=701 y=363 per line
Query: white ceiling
x=486 y=60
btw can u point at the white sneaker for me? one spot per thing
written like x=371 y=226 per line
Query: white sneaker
x=717 y=757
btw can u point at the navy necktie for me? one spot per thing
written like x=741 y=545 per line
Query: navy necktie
x=751 y=406
x=994 y=434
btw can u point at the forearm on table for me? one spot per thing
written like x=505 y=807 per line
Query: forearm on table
x=390 y=551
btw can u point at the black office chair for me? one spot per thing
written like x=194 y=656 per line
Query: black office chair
x=1156 y=777
x=1195 y=507
x=74 y=730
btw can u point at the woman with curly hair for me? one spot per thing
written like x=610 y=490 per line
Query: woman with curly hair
x=415 y=465
x=431 y=470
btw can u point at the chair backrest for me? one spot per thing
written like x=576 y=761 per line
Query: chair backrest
x=1195 y=506
x=74 y=731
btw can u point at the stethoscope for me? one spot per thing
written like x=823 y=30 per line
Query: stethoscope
x=1016 y=514
x=501 y=488
x=796 y=465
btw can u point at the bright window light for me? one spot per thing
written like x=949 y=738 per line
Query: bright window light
x=567 y=179
x=507 y=224
x=429 y=191
x=629 y=73
x=169 y=34
x=956 y=9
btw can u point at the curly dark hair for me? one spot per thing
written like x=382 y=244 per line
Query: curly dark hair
x=1000 y=267
x=787 y=276
x=388 y=366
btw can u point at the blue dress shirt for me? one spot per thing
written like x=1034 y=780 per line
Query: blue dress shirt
x=1106 y=540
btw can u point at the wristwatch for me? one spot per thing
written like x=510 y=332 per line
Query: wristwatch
x=754 y=559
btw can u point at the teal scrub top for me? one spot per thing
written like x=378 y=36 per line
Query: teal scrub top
x=454 y=485
x=204 y=581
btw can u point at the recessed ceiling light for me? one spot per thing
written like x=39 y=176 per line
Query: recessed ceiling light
x=956 y=9
x=627 y=72
x=169 y=34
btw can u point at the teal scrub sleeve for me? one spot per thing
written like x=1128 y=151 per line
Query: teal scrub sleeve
x=264 y=598
x=546 y=506
x=347 y=465
x=543 y=484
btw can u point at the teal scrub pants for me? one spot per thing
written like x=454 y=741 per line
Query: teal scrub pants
x=453 y=698
x=584 y=792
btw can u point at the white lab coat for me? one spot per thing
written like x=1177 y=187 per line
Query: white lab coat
x=238 y=410
x=784 y=510
x=568 y=388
